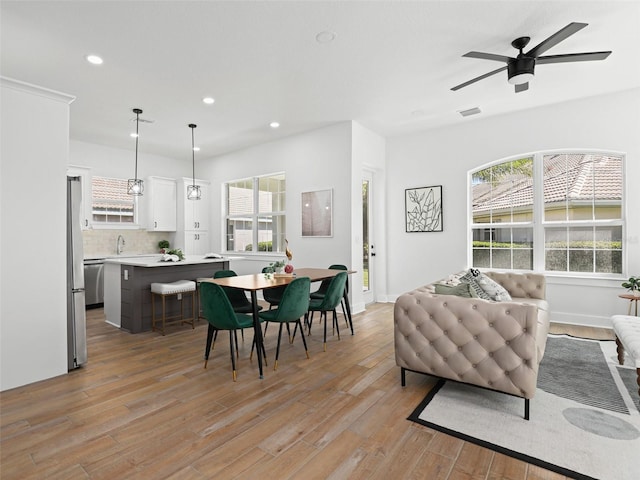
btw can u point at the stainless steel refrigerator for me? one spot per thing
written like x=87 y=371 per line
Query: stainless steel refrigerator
x=76 y=318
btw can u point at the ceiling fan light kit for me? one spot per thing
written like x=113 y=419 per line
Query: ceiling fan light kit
x=520 y=70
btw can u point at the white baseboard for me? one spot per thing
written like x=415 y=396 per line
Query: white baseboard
x=581 y=319
x=357 y=308
x=387 y=299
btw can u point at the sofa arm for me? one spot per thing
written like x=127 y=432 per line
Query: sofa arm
x=469 y=340
x=521 y=285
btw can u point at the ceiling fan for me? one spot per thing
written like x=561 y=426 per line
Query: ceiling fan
x=520 y=69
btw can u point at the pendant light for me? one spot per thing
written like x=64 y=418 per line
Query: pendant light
x=193 y=191
x=135 y=186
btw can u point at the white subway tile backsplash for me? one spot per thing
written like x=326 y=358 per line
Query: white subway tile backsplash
x=103 y=242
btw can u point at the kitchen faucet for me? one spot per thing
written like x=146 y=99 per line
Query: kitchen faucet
x=119 y=245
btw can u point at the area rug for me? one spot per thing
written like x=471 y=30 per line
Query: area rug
x=584 y=422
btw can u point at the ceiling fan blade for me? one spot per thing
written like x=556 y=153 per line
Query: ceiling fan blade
x=488 y=56
x=458 y=87
x=556 y=38
x=573 y=57
x=522 y=87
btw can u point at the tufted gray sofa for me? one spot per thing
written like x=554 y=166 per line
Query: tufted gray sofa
x=495 y=345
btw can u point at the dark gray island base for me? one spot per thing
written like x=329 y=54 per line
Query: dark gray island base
x=128 y=288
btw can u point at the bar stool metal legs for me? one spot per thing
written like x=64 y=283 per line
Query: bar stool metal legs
x=179 y=289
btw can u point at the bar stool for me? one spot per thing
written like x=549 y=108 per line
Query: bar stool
x=178 y=289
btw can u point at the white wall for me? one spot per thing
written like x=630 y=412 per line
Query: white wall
x=331 y=157
x=443 y=157
x=315 y=160
x=119 y=163
x=35 y=136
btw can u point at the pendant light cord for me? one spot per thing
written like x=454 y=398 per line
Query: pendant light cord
x=137 y=136
x=192 y=126
x=193 y=156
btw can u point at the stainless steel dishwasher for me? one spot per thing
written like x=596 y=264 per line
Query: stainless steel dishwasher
x=94 y=282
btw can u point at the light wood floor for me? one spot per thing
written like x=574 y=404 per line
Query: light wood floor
x=145 y=408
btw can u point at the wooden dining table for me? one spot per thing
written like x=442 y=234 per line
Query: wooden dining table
x=259 y=281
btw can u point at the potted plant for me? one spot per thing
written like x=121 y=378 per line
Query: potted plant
x=633 y=285
x=163 y=245
x=274 y=267
x=177 y=252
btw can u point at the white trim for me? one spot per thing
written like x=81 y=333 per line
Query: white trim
x=36 y=90
x=572 y=318
x=115 y=226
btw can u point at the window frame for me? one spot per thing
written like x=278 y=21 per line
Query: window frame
x=539 y=224
x=255 y=217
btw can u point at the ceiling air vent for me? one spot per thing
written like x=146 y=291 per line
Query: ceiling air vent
x=143 y=120
x=465 y=113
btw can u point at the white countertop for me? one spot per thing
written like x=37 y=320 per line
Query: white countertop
x=155 y=261
x=123 y=255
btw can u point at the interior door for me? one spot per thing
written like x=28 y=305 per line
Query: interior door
x=368 y=244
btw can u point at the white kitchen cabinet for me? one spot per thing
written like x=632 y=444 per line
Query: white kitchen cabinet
x=84 y=173
x=196 y=242
x=196 y=212
x=160 y=201
x=193 y=218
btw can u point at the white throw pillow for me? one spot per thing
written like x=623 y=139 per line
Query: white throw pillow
x=492 y=288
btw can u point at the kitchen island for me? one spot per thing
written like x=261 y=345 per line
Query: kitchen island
x=127 y=286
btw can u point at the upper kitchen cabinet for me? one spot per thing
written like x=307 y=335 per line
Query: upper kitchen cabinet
x=84 y=173
x=196 y=212
x=193 y=218
x=161 y=206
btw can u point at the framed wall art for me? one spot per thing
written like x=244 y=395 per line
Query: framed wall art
x=317 y=213
x=423 y=209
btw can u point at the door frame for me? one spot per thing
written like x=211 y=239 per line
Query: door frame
x=368 y=296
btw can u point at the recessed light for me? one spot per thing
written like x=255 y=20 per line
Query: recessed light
x=208 y=100
x=133 y=134
x=196 y=149
x=274 y=124
x=94 y=59
x=325 y=37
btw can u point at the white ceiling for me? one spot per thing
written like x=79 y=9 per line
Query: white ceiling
x=390 y=67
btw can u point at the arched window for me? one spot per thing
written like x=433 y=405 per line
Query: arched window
x=550 y=211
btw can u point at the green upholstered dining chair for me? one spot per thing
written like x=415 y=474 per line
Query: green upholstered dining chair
x=329 y=302
x=322 y=290
x=272 y=296
x=237 y=297
x=292 y=307
x=218 y=311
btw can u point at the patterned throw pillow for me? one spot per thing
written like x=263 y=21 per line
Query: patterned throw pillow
x=472 y=280
x=492 y=288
